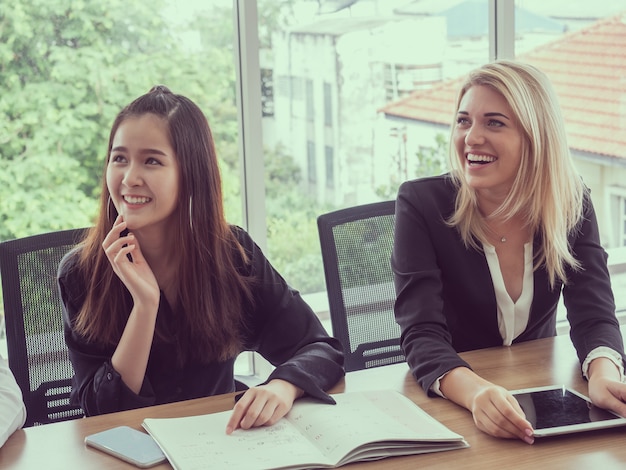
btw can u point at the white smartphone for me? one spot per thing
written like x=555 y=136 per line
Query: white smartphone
x=128 y=444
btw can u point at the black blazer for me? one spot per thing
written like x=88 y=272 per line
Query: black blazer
x=445 y=296
x=278 y=324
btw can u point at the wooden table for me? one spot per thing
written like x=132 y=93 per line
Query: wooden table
x=534 y=363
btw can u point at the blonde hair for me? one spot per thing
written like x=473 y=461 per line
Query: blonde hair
x=547 y=192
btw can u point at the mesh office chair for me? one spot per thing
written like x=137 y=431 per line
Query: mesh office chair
x=38 y=355
x=356 y=247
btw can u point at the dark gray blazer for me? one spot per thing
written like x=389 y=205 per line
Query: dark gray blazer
x=279 y=325
x=445 y=296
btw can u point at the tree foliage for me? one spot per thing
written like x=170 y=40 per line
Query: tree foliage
x=427 y=161
x=291 y=223
x=68 y=67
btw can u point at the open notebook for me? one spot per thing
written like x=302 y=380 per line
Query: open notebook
x=361 y=426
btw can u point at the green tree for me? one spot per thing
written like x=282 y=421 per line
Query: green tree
x=291 y=223
x=428 y=161
x=432 y=160
x=273 y=16
x=66 y=69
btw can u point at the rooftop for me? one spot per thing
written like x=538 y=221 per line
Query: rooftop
x=469 y=18
x=341 y=26
x=588 y=70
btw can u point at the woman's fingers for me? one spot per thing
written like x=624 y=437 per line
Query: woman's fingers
x=497 y=413
x=115 y=233
x=261 y=406
x=119 y=243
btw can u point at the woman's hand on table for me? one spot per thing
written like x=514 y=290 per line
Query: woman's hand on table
x=497 y=412
x=494 y=409
x=606 y=390
x=263 y=405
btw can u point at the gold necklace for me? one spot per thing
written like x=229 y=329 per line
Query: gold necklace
x=502 y=238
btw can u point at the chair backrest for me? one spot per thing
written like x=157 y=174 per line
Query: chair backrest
x=356 y=248
x=37 y=352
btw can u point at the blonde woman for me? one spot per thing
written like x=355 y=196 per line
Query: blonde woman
x=482 y=254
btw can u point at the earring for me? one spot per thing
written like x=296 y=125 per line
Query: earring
x=191 y=213
x=109 y=208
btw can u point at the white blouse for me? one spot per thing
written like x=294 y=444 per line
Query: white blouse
x=12 y=410
x=513 y=316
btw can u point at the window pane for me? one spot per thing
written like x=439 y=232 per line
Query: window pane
x=341 y=126
x=68 y=68
x=582 y=48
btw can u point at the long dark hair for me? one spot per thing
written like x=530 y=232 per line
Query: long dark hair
x=212 y=291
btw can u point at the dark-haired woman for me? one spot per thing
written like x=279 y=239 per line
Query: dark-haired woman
x=163 y=293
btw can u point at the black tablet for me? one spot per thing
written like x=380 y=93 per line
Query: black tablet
x=555 y=410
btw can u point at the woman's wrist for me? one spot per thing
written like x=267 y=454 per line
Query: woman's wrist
x=287 y=388
x=461 y=385
x=602 y=367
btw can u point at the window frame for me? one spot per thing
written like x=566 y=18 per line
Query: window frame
x=616 y=203
x=249 y=115
x=249 y=111
x=247 y=47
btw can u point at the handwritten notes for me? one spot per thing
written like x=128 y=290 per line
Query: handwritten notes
x=312 y=435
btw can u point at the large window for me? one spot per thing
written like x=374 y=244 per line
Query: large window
x=67 y=68
x=353 y=60
x=583 y=51
x=391 y=67
x=308 y=101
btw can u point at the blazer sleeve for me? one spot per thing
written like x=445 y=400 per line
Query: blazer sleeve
x=285 y=330
x=12 y=409
x=420 y=232
x=96 y=386
x=588 y=296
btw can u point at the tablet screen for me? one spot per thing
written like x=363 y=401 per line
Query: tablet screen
x=558 y=410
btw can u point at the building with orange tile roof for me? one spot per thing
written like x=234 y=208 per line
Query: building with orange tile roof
x=588 y=70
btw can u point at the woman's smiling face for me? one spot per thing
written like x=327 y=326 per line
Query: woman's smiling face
x=488 y=141
x=143 y=172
